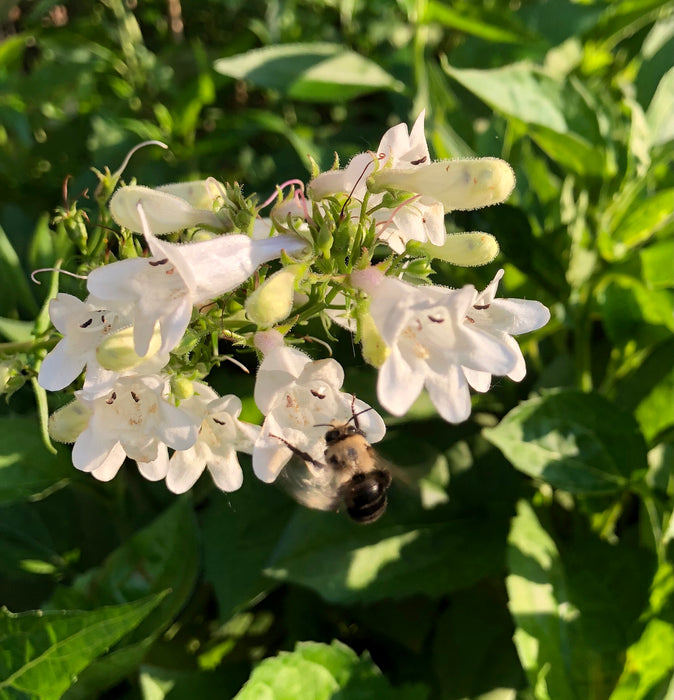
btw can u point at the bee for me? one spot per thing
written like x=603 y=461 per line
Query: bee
x=353 y=475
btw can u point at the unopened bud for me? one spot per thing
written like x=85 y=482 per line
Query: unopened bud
x=272 y=301
x=460 y=185
x=373 y=347
x=166 y=209
x=182 y=388
x=116 y=352
x=464 y=249
x=66 y=424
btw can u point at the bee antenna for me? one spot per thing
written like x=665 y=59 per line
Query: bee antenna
x=323 y=425
x=360 y=413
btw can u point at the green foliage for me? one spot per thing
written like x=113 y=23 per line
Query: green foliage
x=524 y=554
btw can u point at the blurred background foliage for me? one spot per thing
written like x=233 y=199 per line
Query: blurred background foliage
x=526 y=558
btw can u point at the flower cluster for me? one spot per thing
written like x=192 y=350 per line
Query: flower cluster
x=354 y=248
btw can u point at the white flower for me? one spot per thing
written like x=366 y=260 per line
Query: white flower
x=418 y=220
x=501 y=319
x=167 y=208
x=221 y=436
x=444 y=340
x=84 y=325
x=164 y=288
x=402 y=163
x=296 y=395
x=91 y=329
x=132 y=420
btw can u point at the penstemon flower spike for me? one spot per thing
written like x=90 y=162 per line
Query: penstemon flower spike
x=147 y=334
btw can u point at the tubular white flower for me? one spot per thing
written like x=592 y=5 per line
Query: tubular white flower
x=297 y=394
x=458 y=185
x=221 y=436
x=132 y=420
x=84 y=326
x=168 y=208
x=421 y=219
x=164 y=288
x=444 y=340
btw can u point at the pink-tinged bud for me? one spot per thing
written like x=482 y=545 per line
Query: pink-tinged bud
x=266 y=341
x=368 y=279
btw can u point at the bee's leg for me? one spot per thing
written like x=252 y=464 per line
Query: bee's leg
x=299 y=453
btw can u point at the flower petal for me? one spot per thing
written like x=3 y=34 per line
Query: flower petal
x=108 y=470
x=155 y=469
x=116 y=281
x=91 y=449
x=185 y=468
x=516 y=316
x=225 y=262
x=60 y=367
x=176 y=427
x=225 y=470
x=449 y=394
x=279 y=368
x=480 y=381
x=398 y=385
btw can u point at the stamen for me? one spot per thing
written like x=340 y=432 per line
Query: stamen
x=54 y=269
x=155 y=263
x=86 y=324
x=126 y=160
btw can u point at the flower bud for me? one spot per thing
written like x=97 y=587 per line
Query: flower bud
x=373 y=348
x=464 y=249
x=167 y=209
x=66 y=424
x=272 y=301
x=117 y=353
x=460 y=185
x=182 y=388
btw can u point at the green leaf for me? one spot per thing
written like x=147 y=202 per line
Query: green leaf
x=631 y=313
x=644 y=219
x=44 y=651
x=576 y=608
x=648 y=390
x=240 y=531
x=316 y=671
x=539 y=603
x=577 y=442
x=16 y=331
x=163 y=555
x=656 y=264
x=314 y=72
x=659 y=114
x=477 y=26
x=649 y=663
x=521 y=91
x=27 y=470
x=346 y=563
x=570 y=150
x=473 y=650
x=16 y=292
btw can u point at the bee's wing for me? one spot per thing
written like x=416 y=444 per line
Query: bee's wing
x=314 y=487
